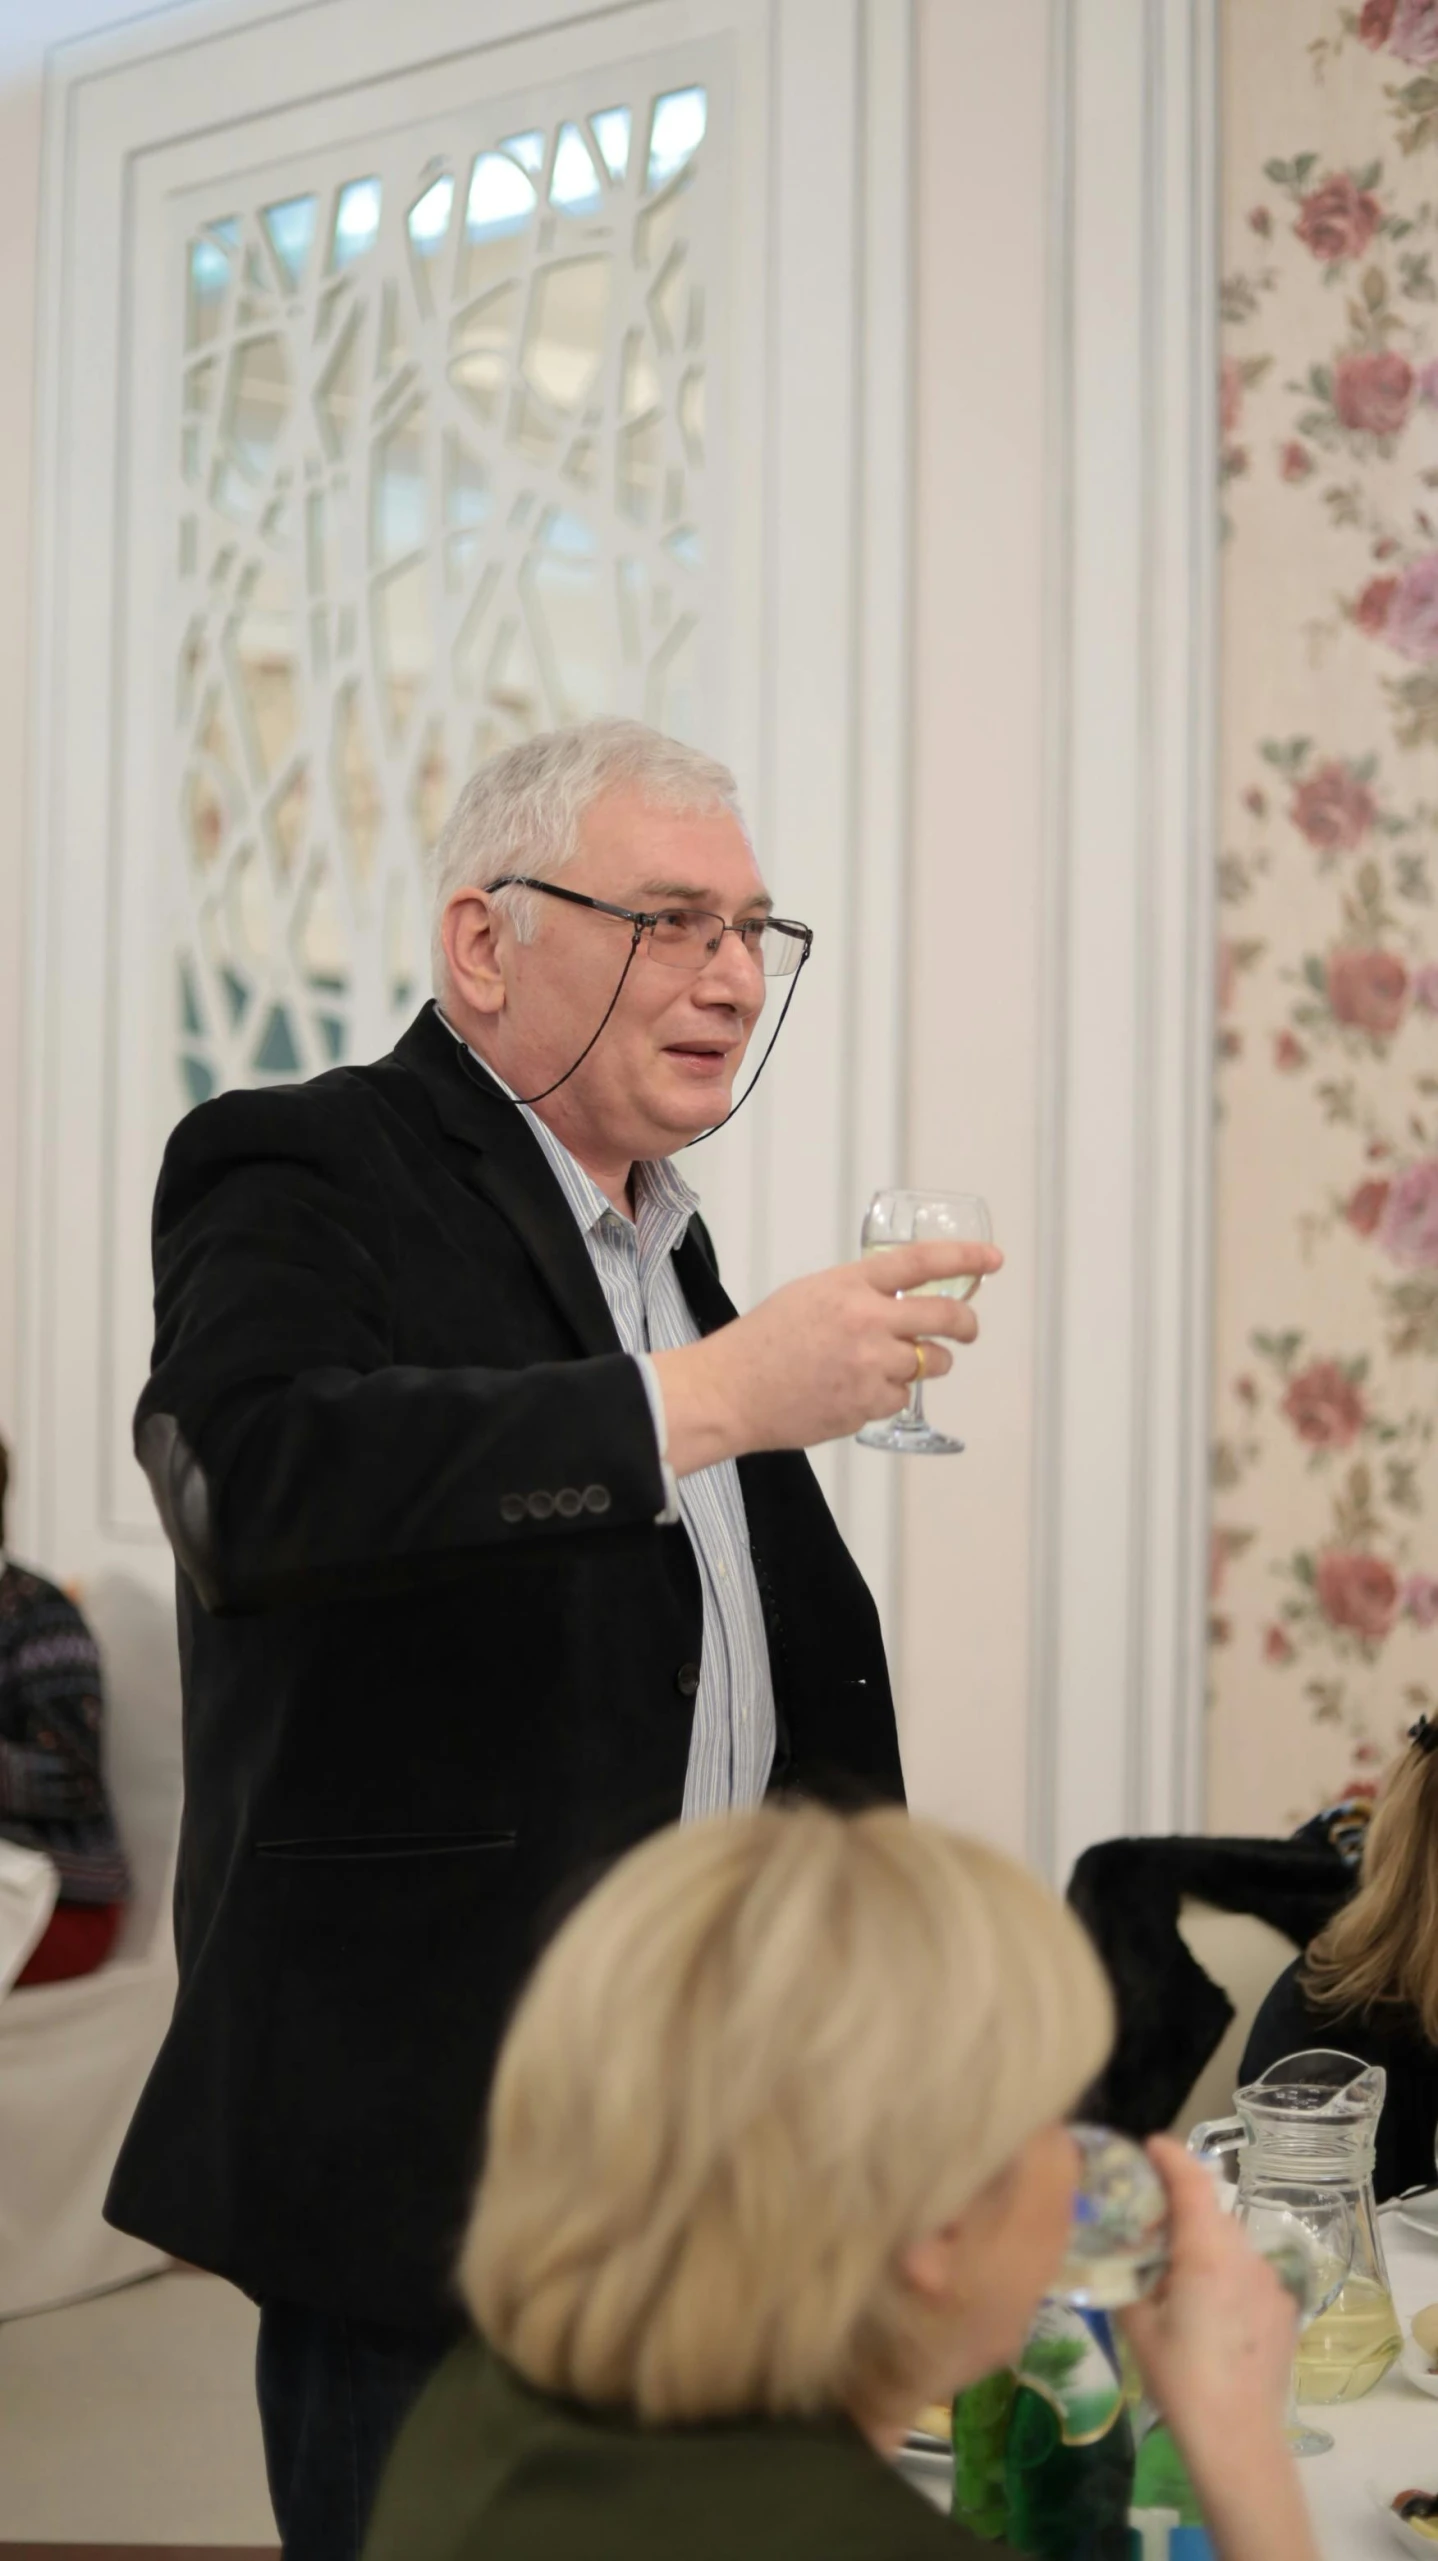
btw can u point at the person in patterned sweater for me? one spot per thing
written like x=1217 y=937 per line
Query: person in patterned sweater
x=52 y=1791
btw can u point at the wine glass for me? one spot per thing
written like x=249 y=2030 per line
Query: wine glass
x=922 y=1218
x=1308 y=2231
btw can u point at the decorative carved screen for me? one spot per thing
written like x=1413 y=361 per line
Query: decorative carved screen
x=440 y=439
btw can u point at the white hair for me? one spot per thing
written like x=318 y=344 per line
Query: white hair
x=522 y=810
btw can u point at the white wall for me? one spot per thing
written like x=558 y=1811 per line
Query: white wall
x=970 y=1057
x=26 y=28
x=19 y=197
x=982 y=1709
x=977 y=829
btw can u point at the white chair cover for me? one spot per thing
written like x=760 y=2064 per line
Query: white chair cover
x=29 y=1889
x=74 y=2056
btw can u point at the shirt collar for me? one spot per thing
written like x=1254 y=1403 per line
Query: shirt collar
x=663 y=1202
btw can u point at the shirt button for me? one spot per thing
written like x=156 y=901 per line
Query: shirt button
x=597 y=1498
x=686 y=1679
x=568 y=1502
x=540 y=1506
x=512 y=1508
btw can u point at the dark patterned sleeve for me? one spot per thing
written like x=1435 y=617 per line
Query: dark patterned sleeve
x=50 y=1765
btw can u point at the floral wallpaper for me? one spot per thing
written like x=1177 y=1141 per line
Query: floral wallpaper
x=1324 y=1561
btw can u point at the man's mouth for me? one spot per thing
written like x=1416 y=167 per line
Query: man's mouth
x=704 y=1057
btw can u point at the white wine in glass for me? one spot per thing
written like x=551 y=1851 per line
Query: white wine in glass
x=922 y=1218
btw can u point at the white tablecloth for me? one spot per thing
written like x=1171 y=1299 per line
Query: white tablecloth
x=1390 y=2437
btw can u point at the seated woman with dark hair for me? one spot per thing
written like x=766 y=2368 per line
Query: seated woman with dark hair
x=776 y=2156
x=52 y=1793
x=1368 y=1984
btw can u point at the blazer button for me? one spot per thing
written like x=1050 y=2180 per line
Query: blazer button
x=512 y=1508
x=596 y=1498
x=569 y=1502
x=686 y=1679
x=540 y=1506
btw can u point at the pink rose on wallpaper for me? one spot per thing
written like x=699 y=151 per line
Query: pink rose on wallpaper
x=1425 y=986
x=1408 y=1228
x=1324 y=1406
x=1411 y=622
x=1230 y=395
x=1365 y=1207
x=1371 y=611
x=1338 y=220
x=1358 y=1592
x=1295 y=462
x=1376 y=23
x=1367 y=989
x=1414 y=36
x=1373 y=393
x=1420 y=1599
x=1333 y=809
x=1427 y=379
x=1289 y=1053
x=1276 y=1647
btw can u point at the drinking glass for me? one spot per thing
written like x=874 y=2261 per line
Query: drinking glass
x=922 y=1218
x=1319 y=2221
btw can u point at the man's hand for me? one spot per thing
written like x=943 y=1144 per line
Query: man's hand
x=818 y=1359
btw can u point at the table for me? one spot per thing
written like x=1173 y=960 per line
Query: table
x=1393 y=2432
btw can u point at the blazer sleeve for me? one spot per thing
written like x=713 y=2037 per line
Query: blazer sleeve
x=291 y=1458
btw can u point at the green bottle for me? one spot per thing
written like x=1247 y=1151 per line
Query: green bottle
x=981 y=2427
x=1043 y=2458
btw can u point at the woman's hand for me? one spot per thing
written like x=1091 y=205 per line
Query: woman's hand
x=1214 y=2346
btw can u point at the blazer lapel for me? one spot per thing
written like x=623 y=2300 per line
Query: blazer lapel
x=498 y=1153
x=694 y=1261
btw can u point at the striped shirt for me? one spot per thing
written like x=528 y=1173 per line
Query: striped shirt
x=732 y=1750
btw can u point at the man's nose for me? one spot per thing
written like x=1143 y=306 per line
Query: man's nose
x=732 y=977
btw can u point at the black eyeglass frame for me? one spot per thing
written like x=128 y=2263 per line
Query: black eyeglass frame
x=643 y=921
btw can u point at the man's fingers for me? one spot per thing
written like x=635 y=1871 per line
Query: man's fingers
x=909 y=1266
x=938 y=1361
x=926 y=1319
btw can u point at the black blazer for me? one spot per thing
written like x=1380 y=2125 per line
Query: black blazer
x=438 y=1659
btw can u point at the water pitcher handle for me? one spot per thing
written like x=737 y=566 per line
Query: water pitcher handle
x=1218 y=2139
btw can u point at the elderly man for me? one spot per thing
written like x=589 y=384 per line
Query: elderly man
x=496 y=1550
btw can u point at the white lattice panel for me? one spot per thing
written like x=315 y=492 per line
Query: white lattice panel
x=439 y=435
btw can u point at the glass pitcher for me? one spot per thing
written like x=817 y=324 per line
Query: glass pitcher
x=1309 y=2122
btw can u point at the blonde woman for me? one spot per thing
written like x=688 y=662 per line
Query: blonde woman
x=775 y=2156
x=1369 y=1982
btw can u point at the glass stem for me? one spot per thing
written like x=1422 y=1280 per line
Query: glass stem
x=914 y=1410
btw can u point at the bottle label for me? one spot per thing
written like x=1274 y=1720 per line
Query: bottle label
x=1069 y=2361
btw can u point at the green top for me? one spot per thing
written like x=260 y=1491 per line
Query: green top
x=487 y=2469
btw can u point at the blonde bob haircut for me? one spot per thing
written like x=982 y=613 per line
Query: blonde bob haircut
x=769 y=2052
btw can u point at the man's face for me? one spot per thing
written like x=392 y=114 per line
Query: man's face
x=664 y=1067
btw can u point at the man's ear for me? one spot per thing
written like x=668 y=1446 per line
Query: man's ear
x=469 y=931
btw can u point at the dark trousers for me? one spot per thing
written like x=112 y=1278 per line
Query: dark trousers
x=333 y=2394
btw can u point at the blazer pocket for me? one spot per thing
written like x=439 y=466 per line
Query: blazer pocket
x=385 y=1845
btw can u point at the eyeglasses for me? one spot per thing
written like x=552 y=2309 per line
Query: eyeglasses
x=688 y=938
